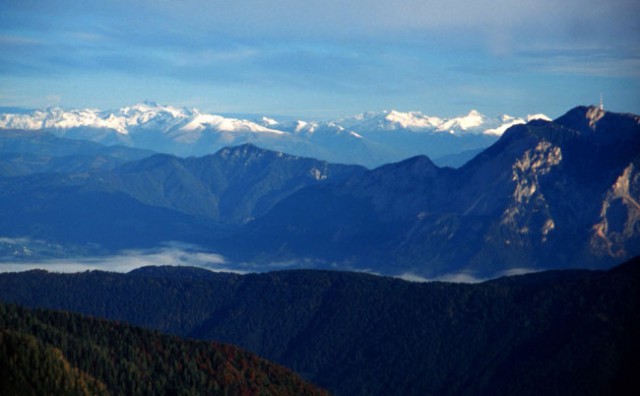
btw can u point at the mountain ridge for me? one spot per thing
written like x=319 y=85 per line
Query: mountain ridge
x=24 y=152
x=538 y=191
x=544 y=195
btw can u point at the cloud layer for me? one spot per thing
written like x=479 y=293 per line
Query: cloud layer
x=175 y=255
x=291 y=55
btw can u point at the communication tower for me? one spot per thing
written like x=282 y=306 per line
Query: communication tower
x=601 y=103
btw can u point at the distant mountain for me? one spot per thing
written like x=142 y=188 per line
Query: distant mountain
x=560 y=332
x=355 y=140
x=158 y=199
x=545 y=195
x=84 y=217
x=46 y=352
x=233 y=186
x=415 y=121
x=24 y=152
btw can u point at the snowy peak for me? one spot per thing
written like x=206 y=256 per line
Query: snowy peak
x=142 y=116
x=119 y=121
x=390 y=121
x=57 y=118
x=415 y=121
x=268 y=122
x=410 y=120
x=370 y=139
x=201 y=122
x=509 y=121
x=303 y=126
x=150 y=115
x=152 y=109
x=469 y=122
x=539 y=116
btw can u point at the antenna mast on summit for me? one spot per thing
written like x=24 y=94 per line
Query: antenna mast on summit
x=601 y=103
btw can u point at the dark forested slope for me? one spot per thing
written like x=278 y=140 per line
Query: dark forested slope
x=47 y=352
x=560 y=332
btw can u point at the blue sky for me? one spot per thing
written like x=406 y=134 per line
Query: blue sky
x=322 y=59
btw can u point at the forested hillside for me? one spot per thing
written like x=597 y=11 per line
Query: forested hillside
x=559 y=332
x=57 y=353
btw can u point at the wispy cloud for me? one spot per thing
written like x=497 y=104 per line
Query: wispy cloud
x=519 y=271
x=125 y=261
x=461 y=277
x=465 y=276
x=596 y=61
x=8 y=41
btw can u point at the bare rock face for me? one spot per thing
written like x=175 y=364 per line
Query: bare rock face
x=617 y=234
x=528 y=197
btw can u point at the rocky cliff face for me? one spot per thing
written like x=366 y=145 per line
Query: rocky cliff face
x=617 y=234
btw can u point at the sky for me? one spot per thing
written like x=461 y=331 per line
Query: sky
x=322 y=59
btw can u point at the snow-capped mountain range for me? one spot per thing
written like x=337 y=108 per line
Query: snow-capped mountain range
x=369 y=139
x=415 y=121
